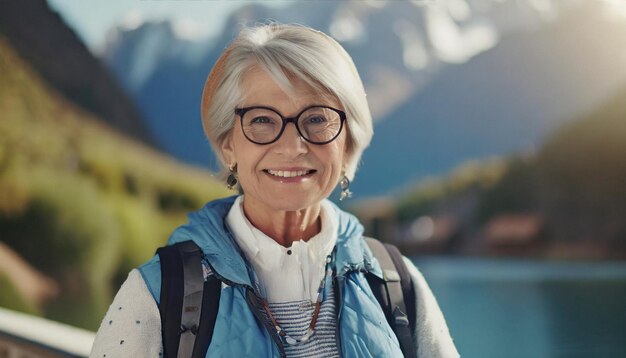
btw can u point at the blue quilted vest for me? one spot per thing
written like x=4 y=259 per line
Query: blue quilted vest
x=363 y=329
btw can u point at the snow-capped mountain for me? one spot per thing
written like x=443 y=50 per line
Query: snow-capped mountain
x=139 y=51
x=502 y=101
x=446 y=80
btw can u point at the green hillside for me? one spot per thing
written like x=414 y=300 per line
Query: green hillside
x=80 y=202
x=582 y=171
x=576 y=183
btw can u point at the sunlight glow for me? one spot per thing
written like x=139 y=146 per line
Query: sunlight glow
x=616 y=9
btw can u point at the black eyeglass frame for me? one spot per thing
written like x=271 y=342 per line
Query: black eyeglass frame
x=242 y=111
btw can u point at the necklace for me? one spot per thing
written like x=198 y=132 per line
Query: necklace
x=311 y=331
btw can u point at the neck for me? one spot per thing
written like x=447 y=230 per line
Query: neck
x=285 y=227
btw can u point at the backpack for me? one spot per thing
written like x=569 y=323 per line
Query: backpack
x=189 y=302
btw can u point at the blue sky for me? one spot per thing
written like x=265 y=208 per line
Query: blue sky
x=200 y=18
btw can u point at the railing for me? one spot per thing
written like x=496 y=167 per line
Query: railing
x=26 y=336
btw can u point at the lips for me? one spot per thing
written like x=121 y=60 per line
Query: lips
x=289 y=173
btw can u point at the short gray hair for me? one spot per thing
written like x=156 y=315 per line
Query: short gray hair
x=284 y=50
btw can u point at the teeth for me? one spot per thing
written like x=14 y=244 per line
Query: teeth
x=288 y=174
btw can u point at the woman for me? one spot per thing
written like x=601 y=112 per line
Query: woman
x=285 y=111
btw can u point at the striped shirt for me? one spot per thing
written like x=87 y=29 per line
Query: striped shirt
x=294 y=317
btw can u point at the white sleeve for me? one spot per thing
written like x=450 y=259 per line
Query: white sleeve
x=433 y=336
x=132 y=325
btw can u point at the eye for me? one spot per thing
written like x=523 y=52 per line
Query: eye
x=262 y=120
x=316 y=119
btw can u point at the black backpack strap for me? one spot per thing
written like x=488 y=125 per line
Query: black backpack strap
x=408 y=289
x=186 y=325
x=395 y=294
x=210 y=306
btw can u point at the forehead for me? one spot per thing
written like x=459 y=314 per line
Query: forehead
x=260 y=88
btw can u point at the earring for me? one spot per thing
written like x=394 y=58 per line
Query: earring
x=231 y=181
x=344 y=183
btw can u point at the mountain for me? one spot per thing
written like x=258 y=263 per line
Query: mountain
x=52 y=48
x=489 y=76
x=502 y=101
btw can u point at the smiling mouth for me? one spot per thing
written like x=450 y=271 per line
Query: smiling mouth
x=289 y=173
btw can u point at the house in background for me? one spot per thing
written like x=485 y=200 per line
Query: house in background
x=514 y=234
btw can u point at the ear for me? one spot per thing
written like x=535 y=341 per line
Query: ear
x=228 y=150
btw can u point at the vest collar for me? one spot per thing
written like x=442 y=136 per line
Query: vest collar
x=207 y=228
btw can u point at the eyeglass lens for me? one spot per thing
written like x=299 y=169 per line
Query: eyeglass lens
x=316 y=124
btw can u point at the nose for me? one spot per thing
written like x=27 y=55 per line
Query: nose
x=290 y=142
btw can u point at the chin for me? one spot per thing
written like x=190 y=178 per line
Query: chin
x=294 y=203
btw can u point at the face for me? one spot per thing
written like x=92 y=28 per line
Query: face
x=290 y=174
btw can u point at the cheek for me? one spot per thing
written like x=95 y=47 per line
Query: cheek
x=334 y=158
x=247 y=170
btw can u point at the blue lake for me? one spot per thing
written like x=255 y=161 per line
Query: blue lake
x=529 y=308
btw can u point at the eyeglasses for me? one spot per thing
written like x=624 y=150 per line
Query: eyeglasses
x=316 y=124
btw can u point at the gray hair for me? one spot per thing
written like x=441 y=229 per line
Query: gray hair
x=284 y=51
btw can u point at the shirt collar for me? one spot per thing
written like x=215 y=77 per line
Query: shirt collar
x=266 y=252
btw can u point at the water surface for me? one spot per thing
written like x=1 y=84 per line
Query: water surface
x=529 y=308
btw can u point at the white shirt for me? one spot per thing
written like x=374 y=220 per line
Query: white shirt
x=286 y=274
